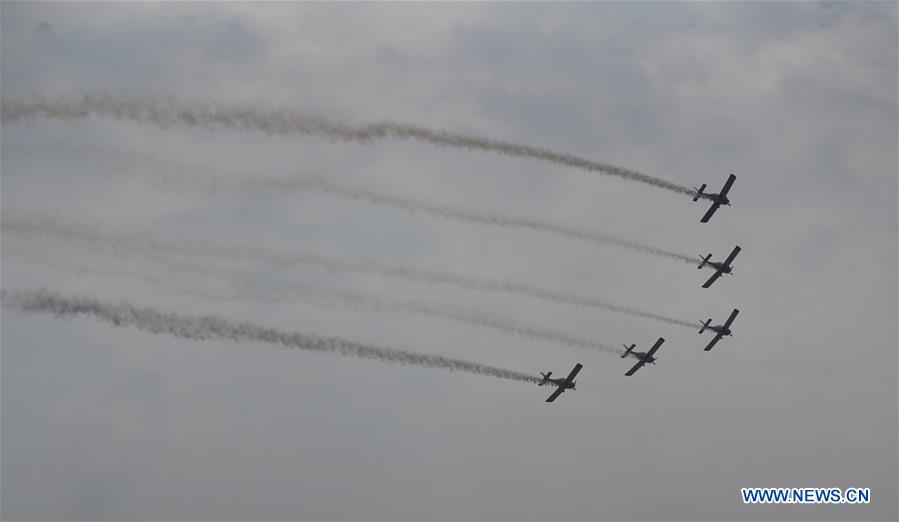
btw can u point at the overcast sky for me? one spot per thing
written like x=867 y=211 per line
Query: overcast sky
x=798 y=99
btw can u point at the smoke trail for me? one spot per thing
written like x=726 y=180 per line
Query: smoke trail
x=317 y=297
x=211 y=182
x=210 y=327
x=152 y=245
x=355 y=300
x=171 y=111
x=414 y=205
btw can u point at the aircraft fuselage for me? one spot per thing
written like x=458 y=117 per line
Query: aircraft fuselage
x=721 y=267
x=643 y=356
x=720 y=329
x=721 y=200
x=559 y=383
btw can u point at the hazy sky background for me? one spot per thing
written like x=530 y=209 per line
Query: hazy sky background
x=798 y=99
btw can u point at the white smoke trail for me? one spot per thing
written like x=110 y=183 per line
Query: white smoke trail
x=212 y=181
x=203 y=178
x=210 y=327
x=503 y=324
x=317 y=297
x=153 y=246
x=414 y=205
x=170 y=111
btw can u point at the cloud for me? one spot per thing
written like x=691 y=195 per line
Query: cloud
x=798 y=99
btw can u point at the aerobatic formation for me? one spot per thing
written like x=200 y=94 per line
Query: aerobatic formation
x=198 y=257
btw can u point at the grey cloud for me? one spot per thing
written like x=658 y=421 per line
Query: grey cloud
x=798 y=99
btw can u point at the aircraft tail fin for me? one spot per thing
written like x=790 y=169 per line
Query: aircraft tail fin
x=545 y=378
x=698 y=193
x=628 y=350
x=705 y=260
x=705 y=325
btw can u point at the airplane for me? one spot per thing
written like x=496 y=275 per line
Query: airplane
x=561 y=384
x=644 y=357
x=716 y=199
x=720 y=268
x=720 y=330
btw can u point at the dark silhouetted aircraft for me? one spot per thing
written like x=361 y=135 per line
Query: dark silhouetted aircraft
x=721 y=330
x=716 y=199
x=720 y=268
x=644 y=357
x=561 y=384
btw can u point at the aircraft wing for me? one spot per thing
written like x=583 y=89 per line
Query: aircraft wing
x=730 y=320
x=577 y=368
x=555 y=394
x=708 y=214
x=712 y=279
x=656 y=346
x=728 y=184
x=714 y=341
x=732 y=255
x=635 y=368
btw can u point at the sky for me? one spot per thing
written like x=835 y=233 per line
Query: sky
x=798 y=99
